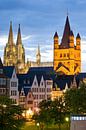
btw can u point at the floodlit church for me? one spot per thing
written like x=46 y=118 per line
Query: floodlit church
x=14 y=55
x=67 y=54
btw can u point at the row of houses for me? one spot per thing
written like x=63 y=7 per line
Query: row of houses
x=37 y=84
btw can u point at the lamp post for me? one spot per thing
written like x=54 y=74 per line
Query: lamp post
x=67 y=121
x=38 y=125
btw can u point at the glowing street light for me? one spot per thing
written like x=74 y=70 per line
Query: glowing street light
x=67 y=119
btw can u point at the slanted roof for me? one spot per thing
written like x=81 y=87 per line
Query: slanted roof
x=66 y=34
x=1 y=65
x=8 y=70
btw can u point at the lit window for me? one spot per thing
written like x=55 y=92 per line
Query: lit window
x=60 y=55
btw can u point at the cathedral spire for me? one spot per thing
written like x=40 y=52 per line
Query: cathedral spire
x=66 y=34
x=38 y=55
x=10 y=38
x=19 y=41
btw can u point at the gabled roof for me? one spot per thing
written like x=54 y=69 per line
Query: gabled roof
x=34 y=71
x=1 y=65
x=66 y=34
x=8 y=70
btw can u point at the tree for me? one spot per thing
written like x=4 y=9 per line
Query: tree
x=75 y=100
x=44 y=115
x=10 y=114
x=58 y=111
x=51 y=112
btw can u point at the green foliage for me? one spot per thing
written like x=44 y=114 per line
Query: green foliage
x=51 y=112
x=75 y=100
x=10 y=114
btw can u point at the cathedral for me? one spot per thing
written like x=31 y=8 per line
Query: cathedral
x=67 y=54
x=14 y=54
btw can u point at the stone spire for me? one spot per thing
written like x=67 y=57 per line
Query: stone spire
x=10 y=38
x=19 y=41
x=38 y=55
x=73 y=84
x=66 y=88
x=66 y=34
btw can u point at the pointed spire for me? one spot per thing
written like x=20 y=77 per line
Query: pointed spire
x=66 y=88
x=19 y=41
x=66 y=34
x=73 y=84
x=10 y=38
x=56 y=35
x=1 y=65
x=38 y=50
x=71 y=33
x=38 y=55
x=78 y=36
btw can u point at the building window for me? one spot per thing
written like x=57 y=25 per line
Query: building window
x=24 y=81
x=13 y=93
x=68 y=55
x=1 y=71
x=60 y=55
x=35 y=83
x=13 y=84
x=48 y=90
x=28 y=82
x=64 y=55
x=2 y=81
x=49 y=83
x=42 y=84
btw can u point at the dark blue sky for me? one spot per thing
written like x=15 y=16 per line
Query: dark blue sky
x=39 y=20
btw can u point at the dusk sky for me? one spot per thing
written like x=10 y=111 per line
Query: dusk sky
x=39 y=19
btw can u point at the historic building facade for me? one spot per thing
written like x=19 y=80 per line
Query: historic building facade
x=67 y=55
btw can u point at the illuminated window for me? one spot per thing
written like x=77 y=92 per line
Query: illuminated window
x=60 y=55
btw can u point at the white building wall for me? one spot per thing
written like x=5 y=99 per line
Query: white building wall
x=41 y=91
x=14 y=93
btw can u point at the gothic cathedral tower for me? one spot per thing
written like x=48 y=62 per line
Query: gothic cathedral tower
x=67 y=55
x=20 y=51
x=14 y=55
x=10 y=58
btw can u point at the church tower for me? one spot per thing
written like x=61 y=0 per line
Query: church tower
x=67 y=55
x=10 y=58
x=38 y=56
x=20 y=51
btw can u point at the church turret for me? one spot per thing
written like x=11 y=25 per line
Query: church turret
x=71 y=39
x=10 y=38
x=38 y=55
x=78 y=41
x=56 y=46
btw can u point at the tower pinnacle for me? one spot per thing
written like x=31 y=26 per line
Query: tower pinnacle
x=19 y=41
x=38 y=55
x=10 y=38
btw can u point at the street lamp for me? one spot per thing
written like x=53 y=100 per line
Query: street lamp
x=38 y=125
x=67 y=121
